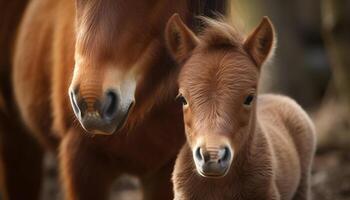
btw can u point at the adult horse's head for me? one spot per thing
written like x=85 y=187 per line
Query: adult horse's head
x=217 y=85
x=113 y=49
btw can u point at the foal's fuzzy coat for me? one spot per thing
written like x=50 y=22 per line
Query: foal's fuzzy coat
x=272 y=140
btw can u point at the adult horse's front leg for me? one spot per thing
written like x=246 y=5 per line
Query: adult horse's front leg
x=20 y=162
x=86 y=174
x=158 y=185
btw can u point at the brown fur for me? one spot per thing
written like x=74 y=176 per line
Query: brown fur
x=2 y=104
x=273 y=140
x=106 y=40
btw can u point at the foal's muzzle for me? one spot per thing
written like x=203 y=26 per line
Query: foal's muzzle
x=101 y=116
x=212 y=161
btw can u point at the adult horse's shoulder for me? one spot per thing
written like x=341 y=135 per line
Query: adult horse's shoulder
x=37 y=48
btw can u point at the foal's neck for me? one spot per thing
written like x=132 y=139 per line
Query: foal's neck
x=254 y=146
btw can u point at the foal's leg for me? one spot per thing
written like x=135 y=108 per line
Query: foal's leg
x=86 y=174
x=158 y=185
x=275 y=195
x=303 y=192
x=304 y=189
x=21 y=162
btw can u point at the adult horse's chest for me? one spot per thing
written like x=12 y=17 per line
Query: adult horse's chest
x=149 y=145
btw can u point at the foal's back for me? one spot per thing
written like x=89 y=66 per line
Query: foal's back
x=292 y=137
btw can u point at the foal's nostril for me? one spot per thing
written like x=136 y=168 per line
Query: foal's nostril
x=110 y=105
x=201 y=155
x=213 y=161
x=198 y=154
x=224 y=155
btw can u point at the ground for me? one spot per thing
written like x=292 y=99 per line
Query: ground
x=331 y=176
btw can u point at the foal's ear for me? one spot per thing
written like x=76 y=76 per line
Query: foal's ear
x=260 y=43
x=180 y=40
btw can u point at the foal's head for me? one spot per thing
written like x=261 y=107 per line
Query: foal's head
x=218 y=87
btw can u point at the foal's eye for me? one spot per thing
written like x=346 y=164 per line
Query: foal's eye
x=249 y=99
x=181 y=99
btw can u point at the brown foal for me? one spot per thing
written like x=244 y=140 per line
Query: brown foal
x=240 y=145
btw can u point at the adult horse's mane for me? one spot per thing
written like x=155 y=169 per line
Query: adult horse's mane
x=208 y=8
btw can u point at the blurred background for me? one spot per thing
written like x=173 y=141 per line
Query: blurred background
x=311 y=65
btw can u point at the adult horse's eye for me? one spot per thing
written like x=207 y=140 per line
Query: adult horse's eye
x=181 y=99
x=248 y=100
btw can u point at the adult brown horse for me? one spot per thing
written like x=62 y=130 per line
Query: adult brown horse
x=112 y=56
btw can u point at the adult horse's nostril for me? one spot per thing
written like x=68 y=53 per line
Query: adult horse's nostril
x=110 y=104
x=100 y=115
x=74 y=102
x=78 y=103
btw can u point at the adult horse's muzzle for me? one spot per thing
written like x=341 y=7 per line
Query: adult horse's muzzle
x=103 y=116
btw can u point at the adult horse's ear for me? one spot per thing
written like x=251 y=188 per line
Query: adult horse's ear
x=180 y=40
x=261 y=41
